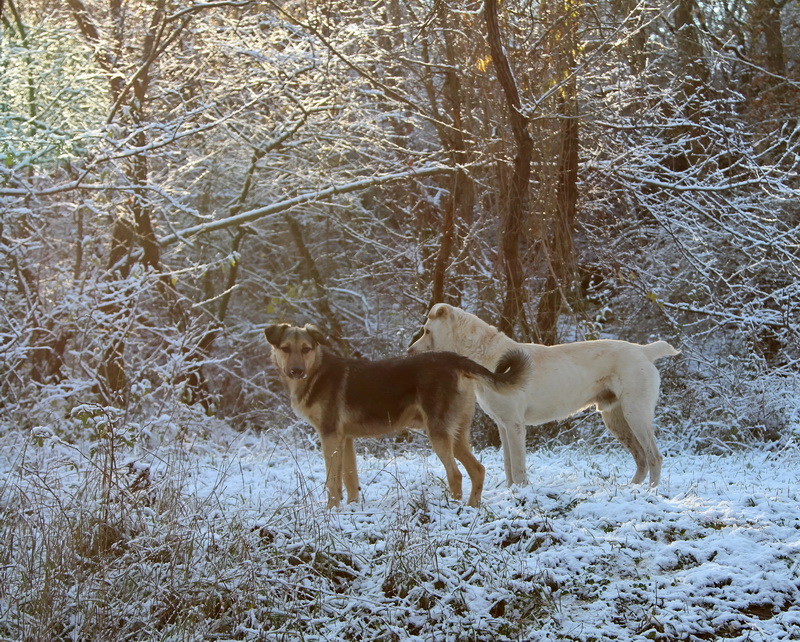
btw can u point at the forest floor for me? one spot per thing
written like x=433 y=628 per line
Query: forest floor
x=227 y=537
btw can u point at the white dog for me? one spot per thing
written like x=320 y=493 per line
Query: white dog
x=617 y=377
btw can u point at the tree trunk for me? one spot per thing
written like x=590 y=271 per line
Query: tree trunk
x=450 y=127
x=694 y=88
x=561 y=254
x=319 y=284
x=513 y=224
x=770 y=18
x=764 y=17
x=445 y=248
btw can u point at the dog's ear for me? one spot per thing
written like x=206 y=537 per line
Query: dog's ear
x=316 y=334
x=274 y=333
x=438 y=311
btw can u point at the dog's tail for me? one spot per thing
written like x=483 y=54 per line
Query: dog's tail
x=511 y=371
x=654 y=351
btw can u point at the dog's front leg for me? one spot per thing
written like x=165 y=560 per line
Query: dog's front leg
x=515 y=438
x=333 y=450
x=350 y=471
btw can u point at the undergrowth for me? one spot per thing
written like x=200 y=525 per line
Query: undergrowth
x=125 y=534
x=108 y=540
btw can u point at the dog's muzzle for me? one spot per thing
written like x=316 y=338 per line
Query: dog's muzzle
x=296 y=373
x=415 y=349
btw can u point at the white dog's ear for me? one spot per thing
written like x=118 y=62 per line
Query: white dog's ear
x=439 y=311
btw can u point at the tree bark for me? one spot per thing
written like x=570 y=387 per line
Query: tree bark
x=461 y=203
x=513 y=224
x=769 y=17
x=694 y=88
x=319 y=285
x=561 y=254
x=764 y=18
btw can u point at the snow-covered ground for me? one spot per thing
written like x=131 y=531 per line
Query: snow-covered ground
x=577 y=555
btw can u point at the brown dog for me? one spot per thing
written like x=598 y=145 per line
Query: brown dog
x=347 y=398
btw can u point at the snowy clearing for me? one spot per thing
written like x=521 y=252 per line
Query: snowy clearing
x=576 y=555
x=234 y=543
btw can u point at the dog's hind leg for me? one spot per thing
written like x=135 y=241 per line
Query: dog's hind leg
x=655 y=460
x=501 y=429
x=614 y=419
x=475 y=470
x=504 y=442
x=350 y=471
x=642 y=428
x=333 y=450
x=443 y=447
x=638 y=404
x=515 y=438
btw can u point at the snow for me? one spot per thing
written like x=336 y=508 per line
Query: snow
x=579 y=554
x=715 y=551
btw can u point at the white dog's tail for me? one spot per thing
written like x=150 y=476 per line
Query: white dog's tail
x=654 y=351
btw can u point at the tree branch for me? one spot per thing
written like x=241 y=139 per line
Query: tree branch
x=282 y=206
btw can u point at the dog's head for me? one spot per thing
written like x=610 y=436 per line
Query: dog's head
x=295 y=351
x=436 y=333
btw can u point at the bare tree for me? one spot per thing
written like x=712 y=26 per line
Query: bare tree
x=561 y=266
x=517 y=189
x=174 y=176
